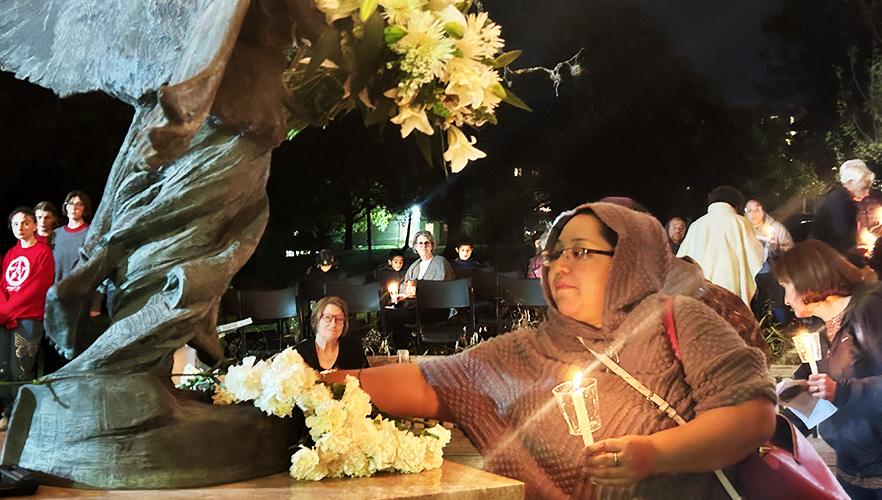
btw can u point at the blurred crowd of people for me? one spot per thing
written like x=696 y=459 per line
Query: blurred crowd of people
x=606 y=270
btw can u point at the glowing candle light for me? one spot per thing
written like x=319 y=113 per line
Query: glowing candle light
x=808 y=346
x=581 y=410
x=770 y=231
x=867 y=239
x=393 y=291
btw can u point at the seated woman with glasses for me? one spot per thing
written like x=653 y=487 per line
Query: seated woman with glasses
x=428 y=267
x=604 y=270
x=330 y=350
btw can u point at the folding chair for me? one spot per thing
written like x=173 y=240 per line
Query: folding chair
x=521 y=292
x=521 y=295
x=461 y=272
x=485 y=282
x=441 y=296
x=361 y=299
x=270 y=307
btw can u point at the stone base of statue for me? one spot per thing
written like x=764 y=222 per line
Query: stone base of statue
x=150 y=435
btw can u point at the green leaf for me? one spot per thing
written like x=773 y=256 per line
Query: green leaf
x=505 y=59
x=379 y=113
x=508 y=96
x=439 y=109
x=424 y=142
x=367 y=53
x=393 y=33
x=327 y=44
x=455 y=30
x=367 y=9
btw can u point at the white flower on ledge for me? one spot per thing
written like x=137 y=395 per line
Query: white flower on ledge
x=348 y=442
x=243 y=381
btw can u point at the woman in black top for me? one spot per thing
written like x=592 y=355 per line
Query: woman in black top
x=330 y=350
x=819 y=282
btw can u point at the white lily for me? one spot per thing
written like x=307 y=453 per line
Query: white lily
x=451 y=14
x=337 y=9
x=412 y=117
x=460 y=150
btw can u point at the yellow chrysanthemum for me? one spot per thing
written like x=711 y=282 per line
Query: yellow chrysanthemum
x=399 y=11
x=426 y=48
x=478 y=41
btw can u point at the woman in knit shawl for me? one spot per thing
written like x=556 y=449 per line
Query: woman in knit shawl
x=607 y=299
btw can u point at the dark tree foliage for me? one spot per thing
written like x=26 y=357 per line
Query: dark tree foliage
x=820 y=49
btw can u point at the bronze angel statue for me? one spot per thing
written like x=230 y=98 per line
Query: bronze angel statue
x=183 y=209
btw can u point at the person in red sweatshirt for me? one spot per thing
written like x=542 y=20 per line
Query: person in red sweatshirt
x=28 y=272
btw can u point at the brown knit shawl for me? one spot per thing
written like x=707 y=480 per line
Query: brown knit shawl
x=500 y=391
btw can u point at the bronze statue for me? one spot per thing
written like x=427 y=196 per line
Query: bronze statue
x=184 y=208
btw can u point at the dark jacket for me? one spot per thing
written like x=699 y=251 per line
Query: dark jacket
x=836 y=222
x=854 y=360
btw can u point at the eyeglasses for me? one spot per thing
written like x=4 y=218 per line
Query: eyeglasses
x=77 y=204
x=422 y=244
x=330 y=319
x=577 y=254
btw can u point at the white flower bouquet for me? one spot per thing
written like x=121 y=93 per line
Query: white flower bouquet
x=348 y=442
x=428 y=65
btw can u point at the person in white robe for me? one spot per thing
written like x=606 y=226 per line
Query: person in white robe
x=723 y=243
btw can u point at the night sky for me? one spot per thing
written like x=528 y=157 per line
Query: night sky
x=723 y=39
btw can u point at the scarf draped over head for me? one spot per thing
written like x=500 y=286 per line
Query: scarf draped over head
x=639 y=265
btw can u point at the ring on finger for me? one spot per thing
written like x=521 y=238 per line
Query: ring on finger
x=615 y=460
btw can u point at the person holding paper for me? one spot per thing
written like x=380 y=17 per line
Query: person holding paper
x=819 y=282
x=604 y=269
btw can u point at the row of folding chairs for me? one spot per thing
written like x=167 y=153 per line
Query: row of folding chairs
x=483 y=288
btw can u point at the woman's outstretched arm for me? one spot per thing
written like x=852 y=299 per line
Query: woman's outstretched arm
x=398 y=389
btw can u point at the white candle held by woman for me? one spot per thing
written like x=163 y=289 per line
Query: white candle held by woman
x=808 y=346
x=581 y=410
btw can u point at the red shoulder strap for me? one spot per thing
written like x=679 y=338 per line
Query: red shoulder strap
x=670 y=328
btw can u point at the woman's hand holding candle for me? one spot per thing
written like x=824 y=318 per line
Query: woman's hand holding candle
x=821 y=386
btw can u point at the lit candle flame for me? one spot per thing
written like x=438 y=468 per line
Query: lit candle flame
x=867 y=238
x=577 y=381
x=770 y=231
x=808 y=346
x=393 y=288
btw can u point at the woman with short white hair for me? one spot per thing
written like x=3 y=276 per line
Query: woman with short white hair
x=836 y=222
x=429 y=266
x=856 y=178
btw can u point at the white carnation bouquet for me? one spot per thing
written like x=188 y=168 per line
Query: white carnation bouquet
x=430 y=66
x=348 y=441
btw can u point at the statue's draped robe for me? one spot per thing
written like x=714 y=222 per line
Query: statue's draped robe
x=184 y=208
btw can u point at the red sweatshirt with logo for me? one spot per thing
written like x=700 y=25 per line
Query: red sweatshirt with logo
x=27 y=275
